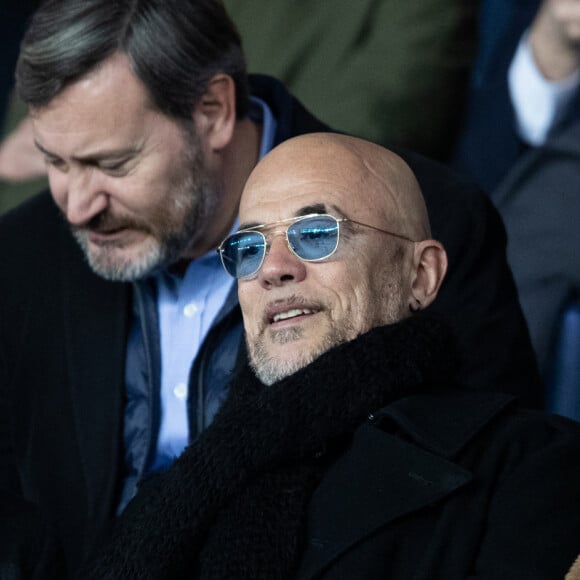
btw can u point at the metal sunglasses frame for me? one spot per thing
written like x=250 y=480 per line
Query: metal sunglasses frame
x=291 y=221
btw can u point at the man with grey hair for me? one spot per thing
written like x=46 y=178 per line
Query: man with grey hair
x=347 y=449
x=116 y=349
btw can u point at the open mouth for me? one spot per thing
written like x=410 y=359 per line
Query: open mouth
x=292 y=313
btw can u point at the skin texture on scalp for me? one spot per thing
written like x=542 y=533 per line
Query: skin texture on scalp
x=375 y=173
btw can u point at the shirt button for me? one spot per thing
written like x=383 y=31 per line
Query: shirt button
x=180 y=391
x=190 y=310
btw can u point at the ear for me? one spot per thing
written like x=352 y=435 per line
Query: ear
x=429 y=269
x=215 y=113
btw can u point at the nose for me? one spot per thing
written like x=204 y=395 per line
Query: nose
x=79 y=194
x=280 y=265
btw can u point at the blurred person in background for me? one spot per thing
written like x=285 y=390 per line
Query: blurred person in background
x=522 y=144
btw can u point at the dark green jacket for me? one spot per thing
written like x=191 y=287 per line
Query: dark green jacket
x=392 y=71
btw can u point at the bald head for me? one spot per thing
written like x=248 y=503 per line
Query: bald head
x=312 y=287
x=378 y=187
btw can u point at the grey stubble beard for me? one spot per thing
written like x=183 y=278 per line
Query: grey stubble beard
x=270 y=369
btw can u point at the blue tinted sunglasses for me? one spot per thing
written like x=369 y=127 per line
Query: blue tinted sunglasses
x=311 y=238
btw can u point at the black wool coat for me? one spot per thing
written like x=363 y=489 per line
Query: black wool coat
x=450 y=487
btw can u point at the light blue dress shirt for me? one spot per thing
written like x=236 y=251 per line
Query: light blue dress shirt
x=187 y=307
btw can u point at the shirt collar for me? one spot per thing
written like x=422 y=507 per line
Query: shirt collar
x=261 y=113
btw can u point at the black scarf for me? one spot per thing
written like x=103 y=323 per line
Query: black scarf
x=234 y=504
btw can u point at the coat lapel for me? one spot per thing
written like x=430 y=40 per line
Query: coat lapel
x=383 y=477
x=379 y=479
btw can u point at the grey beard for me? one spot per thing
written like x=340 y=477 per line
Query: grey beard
x=163 y=249
x=109 y=268
x=269 y=369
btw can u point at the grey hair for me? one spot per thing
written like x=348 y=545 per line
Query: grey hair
x=174 y=46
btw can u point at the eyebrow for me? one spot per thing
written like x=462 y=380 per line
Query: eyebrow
x=94 y=157
x=306 y=210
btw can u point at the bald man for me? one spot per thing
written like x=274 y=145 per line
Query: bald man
x=388 y=269
x=346 y=447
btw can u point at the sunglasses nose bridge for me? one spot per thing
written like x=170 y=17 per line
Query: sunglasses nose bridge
x=280 y=264
x=270 y=236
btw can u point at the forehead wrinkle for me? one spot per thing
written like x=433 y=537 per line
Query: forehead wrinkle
x=111 y=86
x=384 y=189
